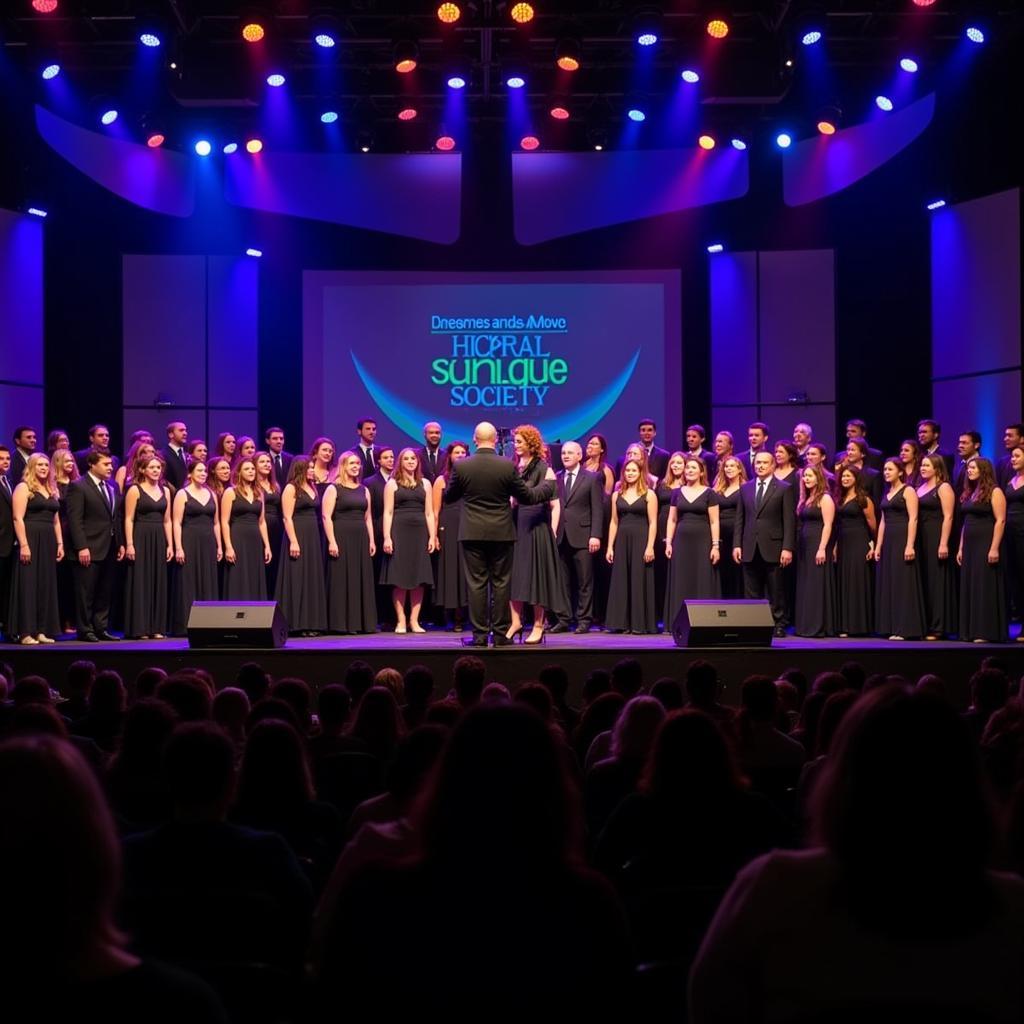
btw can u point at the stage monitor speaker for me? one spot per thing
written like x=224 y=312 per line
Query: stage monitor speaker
x=724 y=624
x=236 y=624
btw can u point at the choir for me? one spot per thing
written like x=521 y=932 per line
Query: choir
x=924 y=544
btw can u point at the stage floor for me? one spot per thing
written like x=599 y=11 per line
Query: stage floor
x=322 y=660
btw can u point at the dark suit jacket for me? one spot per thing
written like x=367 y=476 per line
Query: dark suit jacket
x=949 y=460
x=90 y=520
x=83 y=467
x=770 y=529
x=657 y=462
x=6 y=523
x=874 y=459
x=368 y=470
x=442 y=461
x=583 y=512
x=748 y=462
x=375 y=484
x=873 y=486
x=1004 y=472
x=175 y=467
x=17 y=470
x=485 y=482
x=286 y=465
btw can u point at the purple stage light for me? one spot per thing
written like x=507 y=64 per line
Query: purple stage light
x=936 y=204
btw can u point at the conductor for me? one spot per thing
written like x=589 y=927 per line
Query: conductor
x=485 y=482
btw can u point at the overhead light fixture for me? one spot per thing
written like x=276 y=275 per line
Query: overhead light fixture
x=445 y=143
x=255 y=253
x=231 y=147
x=568 y=53
x=50 y=71
x=783 y=140
x=829 y=120
x=738 y=144
x=909 y=65
x=529 y=143
x=407 y=114
x=406 y=56
x=325 y=30
x=203 y=147
x=706 y=142
x=449 y=13
x=690 y=76
x=522 y=13
x=647 y=27
x=276 y=80
x=254 y=146
x=936 y=204
x=329 y=117
x=717 y=28
x=883 y=103
x=37 y=212
x=716 y=247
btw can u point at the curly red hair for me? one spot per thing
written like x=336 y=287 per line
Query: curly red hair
x=532 y=439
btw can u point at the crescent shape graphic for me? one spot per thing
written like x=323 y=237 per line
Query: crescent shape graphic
x=569 y=425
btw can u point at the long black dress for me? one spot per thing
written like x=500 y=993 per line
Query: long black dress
x=301 y=589
x=408 y=566
x=246 y=579
x=690 y=572
x=665 y=495
x=65 y=573
x=451 y=591
x=631 y=604
x=535 y=576
x=145 y=581
x=899 y=608
x=938 y=575
x=1013 y=546
x=815 y=584
x=856 y=583
x=197 y=578
x=729 y=574
x=275 y=531
x=351 y=595
x=34 y=607
x=983 y=613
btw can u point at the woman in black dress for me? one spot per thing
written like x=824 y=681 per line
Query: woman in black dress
x=301 y=588
x=536 y=579
x=351 y=593
x=267 y=485
x=225 y=447
x=197 y=546
x=64 y=471
x=243 y=531
x=218 y=478
x=666 y=490
x=149 y=546
x=692 y=542
x=198 y=452
x=639 y=453
x=983 y=614
x=910 y=459
x=787 y=463
x=630 y=553
x=34 y=614
x=245 y=448
x=1013 y=539
x=597 y=462
x=130 y=472
x=815 y=568
x=450 y=590
x=410 y=537
x=856 y=527
x=899 y=603
x=725 y=445
x=732 y=474
x=321 y=457
x=936 y=506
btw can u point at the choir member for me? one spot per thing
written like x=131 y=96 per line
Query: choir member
x=725 y=445
x=929 y=437
x=858 y=430
x=351 y=594
x=273 y=437
x=149 y=546
x=451 y=591
x=245 y=447
x=138 y=455
x=817 y=455
x=899 y=601
x=366 y=448
x=730 y=477
x=174 y=454
x=857 y=455
x=1013 y=435
x=99 y=441
x=597 y=461
x=855 y=554
x=410 y=537
x=24 y=447
x=301 y=589
x=267 y=485
x=57 y=439
x=225 y=446
x=197 y=544
x=967 y=447
x=432 y=455
x=218 y=476
x=630 y=553
x=34 y=615
x=910 y=458
x=695 y=437
x=936 y=503
x=665 y=492
x=787 y=463
x=64 y=472
x=375 y=484
x=8 y=552
x=983 y=615
x=321 y=458
x=639 y=453
x=757 y=438
x=655 y=458
x=1014 y=536
x=198 y=451
x=815 y=575
x=243 y=530
x=802 y=438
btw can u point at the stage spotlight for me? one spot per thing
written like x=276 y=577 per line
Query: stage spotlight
x=276 y=80
x=716 y=247
x=109 y=116
x=568 y=53
x=231 y=147
x=522 y=13
x=739 y=144
x=445 y=143
x=811 y=37
x=325 y=30
x=449 y=13
x=923 y=3
x=329 y=117
x=529 y=142
x=44 y=6
x=597 y=136
x=36 y=212
x=203 y=147
x=706 y=142
x=150 y=39
x=406 y=55
x=155 y=140
x=783 y=140
x=636 y=114
x=647 y=27
x=829 y=119
x=936 y=204
x=51 y=71
x=717 y=28
x=646 y=39
x=253 y=32
x=826 y=127
x=691 y=76
x=909 y=65
x=254 y=146
x=457 y=82
x=515 y=81
x=255 y=253
x=883 y=103
x=364 y=140
x=559 y=112
x=975 y=34
x=325 y=40
x=407 y=114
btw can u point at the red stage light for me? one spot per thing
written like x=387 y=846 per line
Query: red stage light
x=155 y=140
x=560 y=113
x=403 y=67
x=717 y=28
x=529 y=142
x=254 y=146
x=923 y=3
x=449 y=13
x=253 y=32
x=44 y=6
x=407 y=114
x=706 y=142
x=568 y=63
x=445 y=143
x=522 y=13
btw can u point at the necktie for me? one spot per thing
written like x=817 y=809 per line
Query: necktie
x=569 y=480
x=105 y=494
x=433 y=461
x=277 y=463
x=181 y=456
x=6 y=483
x=760 y=493
x=369 y=458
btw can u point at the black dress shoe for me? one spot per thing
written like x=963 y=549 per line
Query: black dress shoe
x=500 y=640
x=780 y=632
x=89 y=638
x=474 y=641
x=581 y=629
x=109 y=637
x=559 y=627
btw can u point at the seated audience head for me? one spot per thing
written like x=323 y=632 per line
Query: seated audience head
x=990 y=690
x=296 y=694
x=188 y=695
x=668 y=693
x=833 y=711
x=31 y=690
x=538 y=697
x=108 y=695
x=199 y=770
x=274 y=774
x=334 y=705
x=627 y=677
x=829 y=683
x=230 y=711
x=390 y=679
x=495 y=693
x=702 y=686
x=634 y=732
x=268 y=709
x=79 y=679
x=598 y=681
x=691 y=760
x=418 y=686
x=378 y=722
x=358 y=679
x=759 y=698
x=556 y=679
x=252 y=678
x=854 y=674
x=147 y=681
x=798 y=679
x=415 y=759
x=469 y=675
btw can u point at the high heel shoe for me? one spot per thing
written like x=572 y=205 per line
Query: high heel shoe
x=511 y=637
x=533 y=643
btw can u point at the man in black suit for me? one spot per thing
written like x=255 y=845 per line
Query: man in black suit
x=273 y=437
x=765 y=534
x=24 y=447
x=94 y=522
x=857 y=430
x=1013 y=437
x=375 y=484
x=432 y=455
x=580 y=527
x=657 y=458
x=757 y=438
x=695 y=437
x=485 y=482
x=99 y=441
x=174 y=455
x=929 y=435
x=365 y=448
x=968 y=446
x=6 y=536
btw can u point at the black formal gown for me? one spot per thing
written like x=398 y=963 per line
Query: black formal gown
x=983 y=613
x=938 y=575
x=855 y=588
x=1013 y=546
x=275 y=532
x=602 y=570
x=351 y=593
x=408 y=566
x=665 y=495
x=690 y=572
x=815 y=612
x=145 y=582
x=451 y=591
x=535 y=576
x=631 y=606
x=197 y=578
x=246 y=578
x=34 y=607
x=730 y=575
x=65 y=572
x=899 y=603
x=301 y=588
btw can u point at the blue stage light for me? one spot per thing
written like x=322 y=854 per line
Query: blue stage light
x=36 y=212
x=883 y=103
x=975 y=35
x=231 y=147
x=716 y=247
x=691 y=76
x=936 y=204
x=909 y=64
x=329 y=116
x=739 y=144
x=108 y=116
x=515 y=82
x=257 y=253
x=636 y=114
x=51 y=71
x=150 y=39
x=783 y=140
x=325 y=39
x=810 y=38
x=203 y=147
x=456 y=82
x=276 y=80
x=647 y=39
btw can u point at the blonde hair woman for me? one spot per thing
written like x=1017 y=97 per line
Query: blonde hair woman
x=149 y=546
x=630 y=553
x=731 y=475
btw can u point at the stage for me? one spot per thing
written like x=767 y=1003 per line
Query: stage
x=322 y=660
